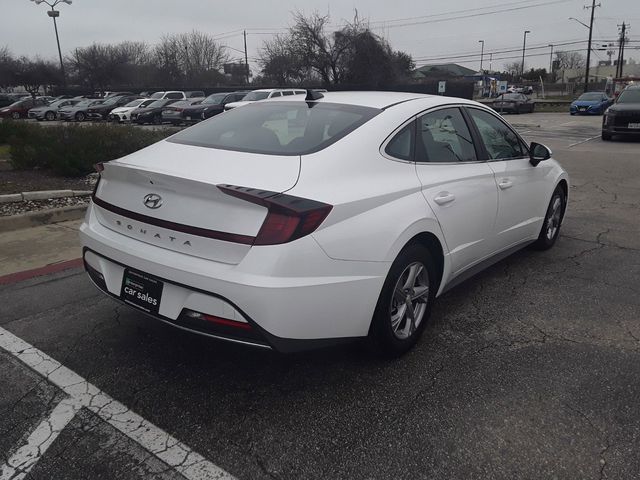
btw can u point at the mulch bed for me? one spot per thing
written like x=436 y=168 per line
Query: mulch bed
x=15 y=208
x=17 y=181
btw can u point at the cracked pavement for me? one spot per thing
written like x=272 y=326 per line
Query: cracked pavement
x=529 y=370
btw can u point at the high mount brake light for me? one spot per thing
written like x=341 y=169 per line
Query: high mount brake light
x=288 y=217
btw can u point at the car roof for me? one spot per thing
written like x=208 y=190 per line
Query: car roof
x=375 y=99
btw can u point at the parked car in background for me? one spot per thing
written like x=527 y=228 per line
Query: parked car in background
x=152 y=113
x=264 y=94
x=102 y=110
x=50 y=112
x=513 y=103
x=173 y=95
x=233 y=227
x=121 y=114
x=173 y=113
x=623 y=117
x=590 y=103
x=210 y=106
x=7 y=99
x=78 y=112
x=20 y=109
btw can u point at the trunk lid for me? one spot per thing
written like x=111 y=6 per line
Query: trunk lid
x=192 y=216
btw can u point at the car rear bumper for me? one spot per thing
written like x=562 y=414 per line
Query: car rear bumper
x=293 y=296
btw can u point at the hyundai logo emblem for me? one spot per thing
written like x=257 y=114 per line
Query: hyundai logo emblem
x=152 y=200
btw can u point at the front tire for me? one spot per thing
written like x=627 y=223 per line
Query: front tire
x=50 y=116
x=552 y=221
x=15 y=115
x=404 y=305
x=80 y=117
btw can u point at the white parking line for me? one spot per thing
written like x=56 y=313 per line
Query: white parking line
x=82 y=394
x=583 y=141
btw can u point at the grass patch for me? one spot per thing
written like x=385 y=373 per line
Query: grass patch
x=4 y=152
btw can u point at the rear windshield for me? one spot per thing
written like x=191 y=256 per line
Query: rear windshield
x=279 y=128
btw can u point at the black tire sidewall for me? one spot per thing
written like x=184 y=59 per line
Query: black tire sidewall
x=50 y=116
x=544 y=243
x=381 y=332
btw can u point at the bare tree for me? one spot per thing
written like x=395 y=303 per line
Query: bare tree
x=570 y=60
x=190 y=58
x=34 y=74
x=7 y=68
x=352 y=54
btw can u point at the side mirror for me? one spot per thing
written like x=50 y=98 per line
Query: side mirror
x=538 y=153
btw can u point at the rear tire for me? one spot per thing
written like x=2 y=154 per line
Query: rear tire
x=50 y=116
x=80 y=117
x=606 y=136
x=552 y=221
x=404 y=305
x=15 y=115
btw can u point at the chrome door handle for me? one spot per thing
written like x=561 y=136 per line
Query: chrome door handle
x=505 y=183
x=444 y=197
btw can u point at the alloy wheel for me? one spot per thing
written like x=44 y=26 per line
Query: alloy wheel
x=409 y=300
x=553 y=218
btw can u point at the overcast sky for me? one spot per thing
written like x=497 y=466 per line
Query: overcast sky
x=432 y=31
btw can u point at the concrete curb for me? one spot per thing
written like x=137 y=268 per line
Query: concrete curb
x=42 y=217
x=43 y=195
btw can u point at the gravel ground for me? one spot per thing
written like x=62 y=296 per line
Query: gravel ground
x=16 y=208
x=17 y=181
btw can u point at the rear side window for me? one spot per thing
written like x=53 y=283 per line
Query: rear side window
x=443 y=136
x=174 y=95
x=401 y=145
x=279 y=128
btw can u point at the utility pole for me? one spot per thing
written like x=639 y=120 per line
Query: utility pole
x=524 y=47
x=586 y=75
x=551 y=61
x=481 y=54
x=623 y=40
x=246 y=58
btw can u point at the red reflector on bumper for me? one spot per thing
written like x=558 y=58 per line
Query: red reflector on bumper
x=226 y=322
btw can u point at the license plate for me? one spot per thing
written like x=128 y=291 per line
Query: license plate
x=141 y=290
x=634 y=125
x=188 y=118
x=582 y=109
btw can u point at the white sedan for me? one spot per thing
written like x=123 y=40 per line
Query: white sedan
x=123 y=114
x=302 y=222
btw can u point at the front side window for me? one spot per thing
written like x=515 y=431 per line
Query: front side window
x=277 y=128
x=500 y=142
x=276 y=94
x=443 y=136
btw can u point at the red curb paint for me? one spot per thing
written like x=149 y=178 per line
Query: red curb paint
x=38 y=272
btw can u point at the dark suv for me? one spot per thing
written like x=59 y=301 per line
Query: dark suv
x=623 y=117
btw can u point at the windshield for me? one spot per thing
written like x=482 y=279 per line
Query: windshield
x=57 y=103
x=629 y=96
x=111 y=101
x=214 y=99
x=158 y=103
x=590 y=97
x=253 y=96
x=135 y=103
x=157 y=95
x=282 y=128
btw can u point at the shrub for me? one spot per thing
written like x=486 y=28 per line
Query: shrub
x=72 y=150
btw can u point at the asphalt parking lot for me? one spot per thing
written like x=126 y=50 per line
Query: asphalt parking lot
x=529 y=370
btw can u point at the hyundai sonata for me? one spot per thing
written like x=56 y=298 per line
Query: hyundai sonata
x=301 y=222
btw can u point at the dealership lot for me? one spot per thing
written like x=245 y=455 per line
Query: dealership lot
x=529 y=370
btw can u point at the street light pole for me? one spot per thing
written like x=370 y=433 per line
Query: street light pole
x=53 y=13
x=481 y=54
x=524 y=48
x=551 y=61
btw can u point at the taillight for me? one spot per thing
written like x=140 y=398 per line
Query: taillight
x=288 y=217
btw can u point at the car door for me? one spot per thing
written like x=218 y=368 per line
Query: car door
x=458 y=186
x=520 y=185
